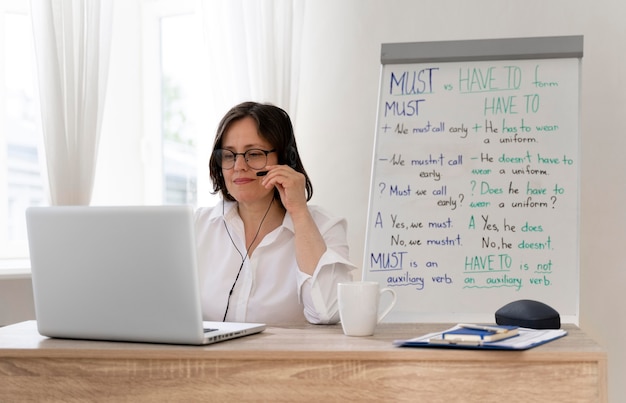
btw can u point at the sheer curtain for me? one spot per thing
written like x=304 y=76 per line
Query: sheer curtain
x=253 y=50
x=72 y=41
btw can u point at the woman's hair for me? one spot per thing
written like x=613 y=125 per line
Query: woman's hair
x=274 y=125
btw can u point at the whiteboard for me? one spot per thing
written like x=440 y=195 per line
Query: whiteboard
x=474 y=193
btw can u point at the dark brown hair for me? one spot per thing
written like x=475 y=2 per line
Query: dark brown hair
x=273 y=125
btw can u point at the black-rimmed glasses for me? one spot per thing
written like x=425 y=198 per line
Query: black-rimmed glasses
x=254 y=157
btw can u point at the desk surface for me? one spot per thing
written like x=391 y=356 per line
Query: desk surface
x=302 y=363
x=305 y=341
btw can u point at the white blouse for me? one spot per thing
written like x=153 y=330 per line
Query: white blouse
x=270 y=288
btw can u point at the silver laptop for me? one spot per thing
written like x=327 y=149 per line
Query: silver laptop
x=121 y=274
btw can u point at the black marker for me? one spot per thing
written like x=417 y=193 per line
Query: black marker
x=261 y=173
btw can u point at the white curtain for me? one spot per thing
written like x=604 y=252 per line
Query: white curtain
x=72 y=42
x=253 y=50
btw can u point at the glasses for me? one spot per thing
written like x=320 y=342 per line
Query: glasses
x=254 y=157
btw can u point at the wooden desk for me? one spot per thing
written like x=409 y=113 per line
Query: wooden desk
x=310 y=363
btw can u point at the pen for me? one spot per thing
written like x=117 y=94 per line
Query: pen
x=436 y=340
x=482 y=327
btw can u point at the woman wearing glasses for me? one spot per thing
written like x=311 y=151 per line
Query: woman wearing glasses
x=264 y=254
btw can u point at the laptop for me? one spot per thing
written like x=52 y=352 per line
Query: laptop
x=120 y=274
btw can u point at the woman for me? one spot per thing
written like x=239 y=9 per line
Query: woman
x=264 y=254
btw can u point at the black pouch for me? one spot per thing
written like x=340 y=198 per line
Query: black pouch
x=528 y=313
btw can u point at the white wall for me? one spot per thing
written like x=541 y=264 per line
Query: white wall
x=16 y=299
x=338 y=106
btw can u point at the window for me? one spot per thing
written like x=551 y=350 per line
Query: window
x=176 y=135
x=20 y=169
x=179 y=91
x=173 y=62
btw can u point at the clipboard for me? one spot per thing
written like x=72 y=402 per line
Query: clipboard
x=526 y=339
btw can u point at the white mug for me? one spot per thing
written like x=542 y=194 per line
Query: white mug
x=358 y=306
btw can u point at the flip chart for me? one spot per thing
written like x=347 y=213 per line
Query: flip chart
x=474 y=193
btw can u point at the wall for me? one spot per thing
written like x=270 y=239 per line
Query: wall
x=337 y=110
x=16 y=299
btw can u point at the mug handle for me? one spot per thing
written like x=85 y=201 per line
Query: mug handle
x=391 y=305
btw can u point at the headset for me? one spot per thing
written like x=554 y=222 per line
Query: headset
x=291 y=152
x=243 y=257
